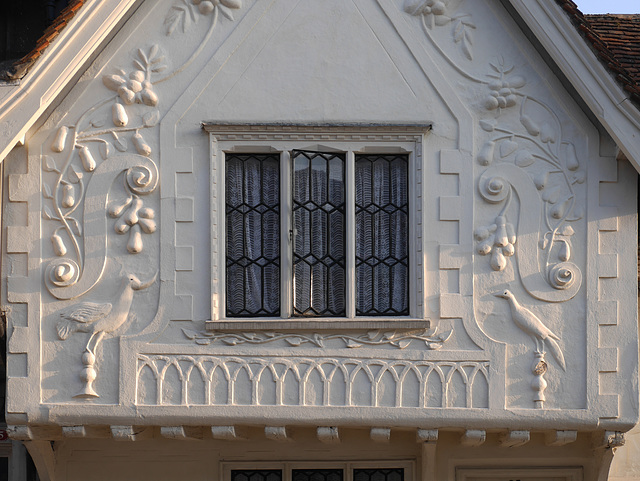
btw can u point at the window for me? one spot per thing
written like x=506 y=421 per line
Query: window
x=316 y=230
x=318 y=235
x=319 y=471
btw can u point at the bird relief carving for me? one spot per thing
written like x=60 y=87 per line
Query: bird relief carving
x=99 y=320
x=543 y=339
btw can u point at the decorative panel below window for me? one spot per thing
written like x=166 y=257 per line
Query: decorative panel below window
x=382 y=239
x=319 y=234
x=253 y=235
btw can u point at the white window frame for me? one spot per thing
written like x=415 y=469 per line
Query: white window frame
x=282 y=139
x=346 y=466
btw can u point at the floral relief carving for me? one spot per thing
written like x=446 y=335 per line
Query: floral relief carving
x=529 y=161
x=86 y=159
x=399 y=339
x=442 y=13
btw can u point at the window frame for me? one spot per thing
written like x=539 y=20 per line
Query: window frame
x=351 y=139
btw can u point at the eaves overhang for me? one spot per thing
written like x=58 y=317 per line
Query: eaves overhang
x=22 y=102
x=603 y=95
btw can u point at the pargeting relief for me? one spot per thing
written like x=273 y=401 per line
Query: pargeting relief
x=531 y=173
x=108 y=142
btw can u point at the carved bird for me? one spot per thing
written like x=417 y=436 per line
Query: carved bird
x=100 y=319
x=529 y=323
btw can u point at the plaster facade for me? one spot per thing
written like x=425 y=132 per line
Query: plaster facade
x=519 y=356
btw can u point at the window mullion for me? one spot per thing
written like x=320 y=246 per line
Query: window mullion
x=286 y=236
x=351 y=234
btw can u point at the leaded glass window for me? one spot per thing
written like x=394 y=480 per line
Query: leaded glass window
x=378 y=474
x=256 y=475
x=382 y=241
x=253 y=235
x=319 y=235
x=347 y=248
x=316 y=475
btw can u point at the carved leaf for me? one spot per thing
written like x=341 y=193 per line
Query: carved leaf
x=507 y=147
x=231 y=341
x=139 y=65
x=75 y=175
x=153 y=51
x=547 y=134
x=353 y=344
x=47 y=191
x=49 y=164
x=466 y=45
x=444 y=337
x=372 y=334
x=203 y=342
x=402 y=343
x=415 y=7
x=524 y=158
x=173 y=19
x=46 y=213
x=294 y=341
x=189 y=333
x=250 y=335
x=104 y=149
x=151 y=118
x=158 y=69
x=97 y=123
x=121 y=144
x=143 y=56
x=75 y=226
x=226 y=12
x=488 y=125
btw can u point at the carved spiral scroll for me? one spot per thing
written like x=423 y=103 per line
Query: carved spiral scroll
x=62 y=273
x=62 y=276
x=564 y=278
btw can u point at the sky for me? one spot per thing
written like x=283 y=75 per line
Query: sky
x=608 y=6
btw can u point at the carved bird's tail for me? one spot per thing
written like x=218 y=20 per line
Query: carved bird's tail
x=556 y=352
x=65 y=328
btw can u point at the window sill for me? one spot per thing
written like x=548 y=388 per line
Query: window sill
x=323 y=324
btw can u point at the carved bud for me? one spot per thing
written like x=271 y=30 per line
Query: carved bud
x=531 y=126
x=485 y=157
x=134 y=245
x=206 y=7
x=560 y=208
x=137 y=75
x=116 y=209
x=485 y=247
x=88 y=162
x=540 y=180
x=113 y=82
x=511 y=233
x=509 y=250
x=147 y=213
x=501 y=235
x=60 y=139
x=498 y=260
x=524 y=158
x=517 y=81
x=134 y=85
x=127 y=95
x=149 y=97
x=68 y=198
x=121 y=227
x=58 y=245
x=141 y=146
x=120 y=118
x=148 y=225
x=131 y=217
x=571 y=157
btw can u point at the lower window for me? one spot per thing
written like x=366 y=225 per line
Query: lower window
x=320 y=472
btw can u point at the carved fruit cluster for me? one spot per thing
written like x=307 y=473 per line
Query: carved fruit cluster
x=498 y=239
x=503 y=88
x=208 y=6
x=135 y=219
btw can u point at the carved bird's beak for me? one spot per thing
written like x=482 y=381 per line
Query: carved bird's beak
x=138 y=286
